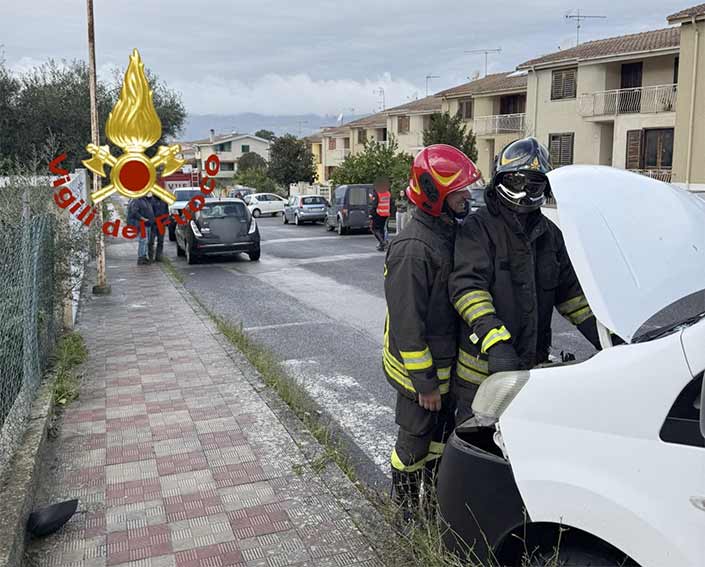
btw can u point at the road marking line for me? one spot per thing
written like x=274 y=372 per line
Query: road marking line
x=309 y=238
x=282 y=325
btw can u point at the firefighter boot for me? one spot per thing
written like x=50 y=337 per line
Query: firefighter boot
x=406 y=487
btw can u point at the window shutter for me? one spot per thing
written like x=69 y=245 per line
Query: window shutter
x=634 y=138
x=569 y=83
x=560 y=146
x=556 y=85
x=554 y=148
x=566 y=149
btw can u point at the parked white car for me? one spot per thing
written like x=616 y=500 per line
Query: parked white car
x=183 y=196
x=609 y=453
x=265 y=204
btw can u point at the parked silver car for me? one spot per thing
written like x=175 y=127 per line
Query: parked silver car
x=305 y=208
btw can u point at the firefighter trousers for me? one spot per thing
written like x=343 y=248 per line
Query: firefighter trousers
x=422 y=433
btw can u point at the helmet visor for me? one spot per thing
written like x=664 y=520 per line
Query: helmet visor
x=521 y=184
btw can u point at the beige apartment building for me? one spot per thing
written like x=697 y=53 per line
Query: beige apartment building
x=494 y=108
x=407 y=122
x=229 y=148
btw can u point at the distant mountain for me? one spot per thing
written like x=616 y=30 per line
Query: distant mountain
x=197 y=126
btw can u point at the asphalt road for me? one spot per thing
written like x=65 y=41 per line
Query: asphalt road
x=317 y=301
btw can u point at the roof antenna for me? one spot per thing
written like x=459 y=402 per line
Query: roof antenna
x=578 y=17
x=485 y=51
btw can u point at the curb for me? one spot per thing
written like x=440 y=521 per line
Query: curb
x=364 y=515
x=18 y=491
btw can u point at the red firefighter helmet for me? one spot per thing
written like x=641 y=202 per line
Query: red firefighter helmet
x=438 y=171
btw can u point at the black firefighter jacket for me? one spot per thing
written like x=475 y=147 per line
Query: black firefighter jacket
x=421 y=328
x=506 y=281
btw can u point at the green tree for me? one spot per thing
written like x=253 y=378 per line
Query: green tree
x=251 y=160
x=51 y=102
x=257 y=178
x=374 y=161
x=266 y=134
x=445 y=128
x=291 y=161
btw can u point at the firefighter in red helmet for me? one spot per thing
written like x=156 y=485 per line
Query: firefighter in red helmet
x=420 y=335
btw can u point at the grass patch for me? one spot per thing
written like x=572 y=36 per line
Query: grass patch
x=71 y=352
x=174 y=273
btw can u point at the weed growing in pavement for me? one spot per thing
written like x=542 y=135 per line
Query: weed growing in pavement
x=71 y=352
x=172 y=271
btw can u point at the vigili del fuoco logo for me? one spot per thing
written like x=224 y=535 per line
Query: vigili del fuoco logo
x=134 y=126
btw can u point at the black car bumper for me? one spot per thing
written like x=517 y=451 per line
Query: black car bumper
x=205 y=248
x=477 y=494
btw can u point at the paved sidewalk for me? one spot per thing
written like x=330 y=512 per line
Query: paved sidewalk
x=176 y=459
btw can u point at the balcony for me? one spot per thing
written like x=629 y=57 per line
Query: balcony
x=499 y=124
x=660 y=174
x=335 y=157
x=643 y=100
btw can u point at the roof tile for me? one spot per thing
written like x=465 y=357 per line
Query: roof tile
x=491 y=83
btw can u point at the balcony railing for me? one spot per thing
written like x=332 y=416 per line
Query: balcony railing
x=499 y=124
x=643 y=100
x=338 y=154
x=660 y=174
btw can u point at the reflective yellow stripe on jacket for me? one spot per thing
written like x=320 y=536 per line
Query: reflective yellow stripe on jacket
x=576 y=310
x=399 y=371
x=471 y=368
x=417 y=359
x=493 y=337
x=473 y=305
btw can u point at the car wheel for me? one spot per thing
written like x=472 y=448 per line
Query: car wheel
x=172 y=234
x=191 y=257
x=329 y=227
x=297 y=222
x=341 y=229
x=179 y=251
x=284 y=219
x=254 y=255
x=257 y=213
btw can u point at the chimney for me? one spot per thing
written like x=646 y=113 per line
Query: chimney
x=212 y=136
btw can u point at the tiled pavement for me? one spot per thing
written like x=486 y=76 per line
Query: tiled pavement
x=176 y=459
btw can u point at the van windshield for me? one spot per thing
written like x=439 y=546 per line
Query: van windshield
x=358 y=196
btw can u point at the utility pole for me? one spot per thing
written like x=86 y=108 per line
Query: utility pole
x=578 y=17
x=430 y=77
x=101 y=287
x=486 y=52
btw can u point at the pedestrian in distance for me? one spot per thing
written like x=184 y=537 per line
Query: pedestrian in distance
x=382 y=207
x=420 y=334
x=140 y=210
x=511 y=269
x=159 y=208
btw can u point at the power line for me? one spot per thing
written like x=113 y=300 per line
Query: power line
x=486 y=52
x=578 y=17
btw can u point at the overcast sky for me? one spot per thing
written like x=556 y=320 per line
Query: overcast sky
x=320 y=56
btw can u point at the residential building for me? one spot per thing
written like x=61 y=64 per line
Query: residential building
x=610 y=102
x=229 y=148
x=341 y=141
x=494 y=108
x=407 y=122
x=689 y=139
x=315 y=142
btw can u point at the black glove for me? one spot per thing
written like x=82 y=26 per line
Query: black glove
x=502 y=358
x=588 y=328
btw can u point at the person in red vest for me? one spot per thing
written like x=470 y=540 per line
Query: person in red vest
x=381 y=208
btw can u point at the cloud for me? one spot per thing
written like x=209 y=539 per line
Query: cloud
x=293 y=94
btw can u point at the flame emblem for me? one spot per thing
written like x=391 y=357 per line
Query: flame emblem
x=134 y=126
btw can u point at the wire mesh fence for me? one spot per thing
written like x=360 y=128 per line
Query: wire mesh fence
x=28 y=321
x=41 y=250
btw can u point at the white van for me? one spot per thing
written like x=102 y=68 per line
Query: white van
x=600 y=462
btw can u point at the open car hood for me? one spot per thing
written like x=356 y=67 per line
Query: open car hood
x=637 y=244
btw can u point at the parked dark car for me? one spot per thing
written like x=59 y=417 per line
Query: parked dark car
x=240 y=190
x=350 y=209
x=223 y=226
x=305 y=208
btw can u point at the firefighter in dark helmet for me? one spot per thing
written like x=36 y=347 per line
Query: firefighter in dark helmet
x=420 y=335
x=511 y=270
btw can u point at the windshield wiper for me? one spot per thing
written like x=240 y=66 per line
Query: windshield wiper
x=656 y=333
